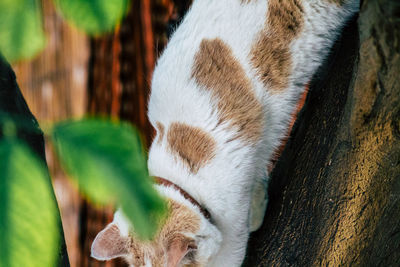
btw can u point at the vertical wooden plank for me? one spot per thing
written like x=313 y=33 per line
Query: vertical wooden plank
x=137 y=63
x=104 y=87
x=104 y=98
x=161 y=13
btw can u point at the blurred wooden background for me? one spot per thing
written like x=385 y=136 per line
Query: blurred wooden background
x=107 y=75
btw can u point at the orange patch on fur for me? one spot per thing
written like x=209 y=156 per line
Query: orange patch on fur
x=161 y=131
x=194 y=146
x=217 y=70
x=181 y=220
x=270 y=54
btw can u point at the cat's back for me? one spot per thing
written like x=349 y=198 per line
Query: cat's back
x=229 y=21
x=230 y=76
x=276 y=46
x=201 y=87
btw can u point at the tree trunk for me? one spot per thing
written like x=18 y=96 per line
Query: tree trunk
x=335 y=191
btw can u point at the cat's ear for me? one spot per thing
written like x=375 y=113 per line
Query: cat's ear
x=109 y=244
x=178 y=248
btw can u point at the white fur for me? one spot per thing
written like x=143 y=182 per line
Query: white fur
x=258 y=203
x=123 y=223
x=225 y=185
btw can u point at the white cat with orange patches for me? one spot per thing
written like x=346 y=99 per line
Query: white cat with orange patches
x=223 y=93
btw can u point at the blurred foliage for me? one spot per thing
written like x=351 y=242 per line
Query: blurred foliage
x=11 y=123
x=21 y=29
x=21 y=32
x=104 y=158
x=107 y=161
x=95 y=16
x=29 y=232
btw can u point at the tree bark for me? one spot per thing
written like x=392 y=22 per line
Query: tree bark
x=335 y=191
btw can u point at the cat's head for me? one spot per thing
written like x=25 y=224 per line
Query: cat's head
x=186 y=239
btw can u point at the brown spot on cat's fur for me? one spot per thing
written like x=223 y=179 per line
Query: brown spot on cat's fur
x=270 y=54
x=285 y=18
x=217 y=70
x=271 y=58
x=194 y=146
x=161 y=131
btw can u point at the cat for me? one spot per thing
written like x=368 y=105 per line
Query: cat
x=223 y=93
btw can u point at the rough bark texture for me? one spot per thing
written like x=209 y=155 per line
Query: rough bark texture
x=13 y=103
x=335 y=192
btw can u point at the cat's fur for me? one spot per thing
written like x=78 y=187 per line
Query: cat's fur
x=223 y=93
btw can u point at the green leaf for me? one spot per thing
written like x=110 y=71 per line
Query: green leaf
x=29 y=232
x=108 y=162
x=21 y=33
x=94 y=16
x=11 y=123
